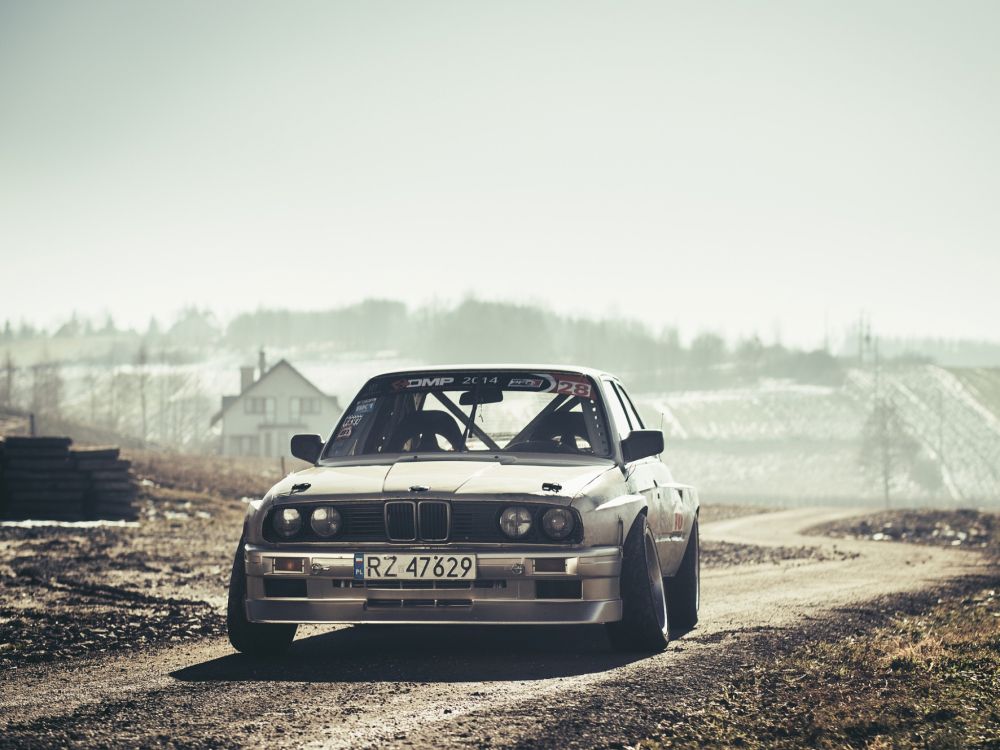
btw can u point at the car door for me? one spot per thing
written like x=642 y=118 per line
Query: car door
x=666 y=502
x=641 y=476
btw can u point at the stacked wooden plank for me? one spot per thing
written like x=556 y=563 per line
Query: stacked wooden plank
x=43 y=478
x=40 y=480
x=110 y=489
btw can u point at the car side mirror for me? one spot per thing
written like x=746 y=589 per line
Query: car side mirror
x=641 y=444
x=307 y=447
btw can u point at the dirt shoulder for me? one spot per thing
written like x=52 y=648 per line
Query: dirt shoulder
x=480 y=686
x=911 y=671
x=903 y=672
x=963 y=528
x=69 y=591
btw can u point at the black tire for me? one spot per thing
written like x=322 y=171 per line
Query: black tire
x=684 y=588
x=644 y=626
x=254 y=638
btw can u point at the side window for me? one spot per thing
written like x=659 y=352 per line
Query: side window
x=616 y=410
x=630 y=410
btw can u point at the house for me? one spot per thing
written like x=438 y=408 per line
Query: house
x=281 y=402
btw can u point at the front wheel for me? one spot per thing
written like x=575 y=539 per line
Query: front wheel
x=254 y=638
x=644 y=626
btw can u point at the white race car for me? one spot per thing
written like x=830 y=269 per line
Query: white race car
x=490 y=494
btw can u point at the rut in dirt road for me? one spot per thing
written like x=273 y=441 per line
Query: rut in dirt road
x=453 y=686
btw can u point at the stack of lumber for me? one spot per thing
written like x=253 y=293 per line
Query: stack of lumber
x=110 y=490
x=40 y=480
x=43 y=478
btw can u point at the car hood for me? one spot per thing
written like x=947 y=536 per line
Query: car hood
x=442 y=478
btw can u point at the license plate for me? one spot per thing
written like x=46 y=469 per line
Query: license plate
x=429 y=567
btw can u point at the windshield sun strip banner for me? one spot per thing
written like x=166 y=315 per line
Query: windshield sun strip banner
x=538 y=382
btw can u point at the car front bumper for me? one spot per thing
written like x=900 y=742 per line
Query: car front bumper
x=509 y=589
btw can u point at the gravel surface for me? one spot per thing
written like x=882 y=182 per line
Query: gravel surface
x=721 y=554
x=74 y=590
x=447 y=687
x=69 y=591
x=966 y=528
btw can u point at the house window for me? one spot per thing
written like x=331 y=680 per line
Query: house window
x=263 y=405
x=297 y=407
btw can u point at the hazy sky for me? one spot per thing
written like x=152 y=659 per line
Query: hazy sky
x=724 y=165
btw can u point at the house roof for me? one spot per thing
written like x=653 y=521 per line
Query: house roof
x=229 y=401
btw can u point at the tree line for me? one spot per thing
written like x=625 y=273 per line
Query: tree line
x=472 y=331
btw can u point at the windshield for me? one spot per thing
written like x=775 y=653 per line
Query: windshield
x=465 y=412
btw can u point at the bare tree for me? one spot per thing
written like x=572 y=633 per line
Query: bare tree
x=141 y=362
x=7 y=385
x=113 y=398
x=46 y=389
x=888 y=453
x=90 y=382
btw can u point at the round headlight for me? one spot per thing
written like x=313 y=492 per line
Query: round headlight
x=515 y=522
x=325 y=521
x=558 y=523
x=287 y=521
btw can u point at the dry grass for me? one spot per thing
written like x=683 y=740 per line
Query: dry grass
x=925 y=681
x=210 y=474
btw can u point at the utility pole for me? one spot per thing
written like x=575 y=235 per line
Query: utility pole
x=885 y=426
x=141 y=361
x=940 y=435
x=878 y=373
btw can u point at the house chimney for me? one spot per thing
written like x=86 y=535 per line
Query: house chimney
x=261 y=363
x=246 y=378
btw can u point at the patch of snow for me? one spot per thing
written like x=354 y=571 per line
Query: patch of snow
x=36 y=523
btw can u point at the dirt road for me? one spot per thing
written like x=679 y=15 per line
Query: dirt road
x=353 y=687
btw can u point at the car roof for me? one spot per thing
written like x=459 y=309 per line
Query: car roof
x=574 y=369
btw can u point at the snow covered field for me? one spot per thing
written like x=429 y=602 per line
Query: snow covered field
x=787 y=443
x=776 y=441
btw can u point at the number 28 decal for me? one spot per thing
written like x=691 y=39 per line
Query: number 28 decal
x=574 y=388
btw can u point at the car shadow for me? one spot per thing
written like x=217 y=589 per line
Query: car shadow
x=415 y=653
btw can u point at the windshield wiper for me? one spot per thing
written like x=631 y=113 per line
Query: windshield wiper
x=500 y=458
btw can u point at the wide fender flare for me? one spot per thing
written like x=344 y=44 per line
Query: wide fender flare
x=619 y=513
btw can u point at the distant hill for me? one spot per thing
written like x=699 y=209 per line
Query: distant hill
x=785 y=443
x=945 y=352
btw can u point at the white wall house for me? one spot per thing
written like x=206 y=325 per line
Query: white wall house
x=261 y=420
